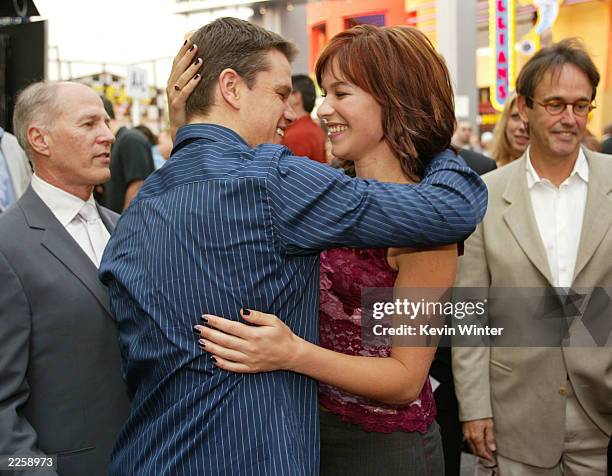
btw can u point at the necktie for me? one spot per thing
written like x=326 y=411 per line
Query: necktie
x=96 y=232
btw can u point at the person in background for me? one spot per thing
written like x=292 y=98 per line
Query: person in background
x=164 y=144
x=158 y=159
x=462 y=139
x=479 y=163
x=15 y=170
x=304 y=137
x=61 y=390
x=538 y=410
x=475 y=142
x=511 y=137
x=131 y=163
x=486 y=143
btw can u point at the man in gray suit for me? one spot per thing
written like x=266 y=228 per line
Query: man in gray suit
x=61 y=391
x=543 y=410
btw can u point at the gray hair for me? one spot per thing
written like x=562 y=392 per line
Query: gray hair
x=36 y=103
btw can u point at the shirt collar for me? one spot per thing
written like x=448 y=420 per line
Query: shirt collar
x=212 y=132
x=64 y=205
x=581 y=168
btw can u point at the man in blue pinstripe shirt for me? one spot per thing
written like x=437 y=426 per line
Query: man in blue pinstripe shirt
x=232 y=221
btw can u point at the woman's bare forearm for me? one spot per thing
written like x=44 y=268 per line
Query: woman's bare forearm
x=385 y=379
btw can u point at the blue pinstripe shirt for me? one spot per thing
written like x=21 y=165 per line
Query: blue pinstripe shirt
x=223 y=225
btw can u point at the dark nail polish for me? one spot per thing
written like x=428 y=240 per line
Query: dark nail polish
x=246 y=312
x=197 y=76
x=198 y=61
x=195 y=330
x=184 y=42
x=202 y=348
x=214 y=359
x=202 y=344
x=192 y=47
x=204 y=319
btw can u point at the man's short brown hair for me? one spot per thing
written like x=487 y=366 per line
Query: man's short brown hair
x=236 y=44
x=553 y=58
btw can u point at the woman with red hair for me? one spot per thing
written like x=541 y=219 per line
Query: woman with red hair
x=389 y=109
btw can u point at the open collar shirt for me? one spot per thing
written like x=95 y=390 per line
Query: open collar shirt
x=559 y=213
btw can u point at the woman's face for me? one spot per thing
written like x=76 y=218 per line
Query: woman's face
x=516 y=132
x=354 y=118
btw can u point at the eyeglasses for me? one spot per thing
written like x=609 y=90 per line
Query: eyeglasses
x=579 y=108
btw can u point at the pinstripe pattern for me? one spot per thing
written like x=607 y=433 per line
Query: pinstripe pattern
x=222 y=226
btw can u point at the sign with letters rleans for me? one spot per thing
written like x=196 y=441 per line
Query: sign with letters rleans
x=137 y=85
x=501 y=40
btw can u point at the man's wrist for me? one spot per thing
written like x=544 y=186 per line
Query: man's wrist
x=472 y=420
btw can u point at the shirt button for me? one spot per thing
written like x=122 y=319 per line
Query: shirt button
x=562 y=391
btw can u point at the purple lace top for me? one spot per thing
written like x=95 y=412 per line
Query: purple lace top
x=344 y=272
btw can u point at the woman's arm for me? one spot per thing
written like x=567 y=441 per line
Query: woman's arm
x=183 y=79
x=271 y=346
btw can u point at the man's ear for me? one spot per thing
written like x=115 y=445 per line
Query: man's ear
x=230 y=86
x=38 y=139
x=521 y=105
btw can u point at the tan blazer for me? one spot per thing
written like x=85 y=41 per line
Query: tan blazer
x=524 y=389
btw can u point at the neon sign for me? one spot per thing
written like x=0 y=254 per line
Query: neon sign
x=501 y=41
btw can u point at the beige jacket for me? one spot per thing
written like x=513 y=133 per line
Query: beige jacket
x=523 y=389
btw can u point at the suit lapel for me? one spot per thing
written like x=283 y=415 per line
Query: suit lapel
x=597 y=216
x=520 y=219
x=108 y=218
x=56 y=240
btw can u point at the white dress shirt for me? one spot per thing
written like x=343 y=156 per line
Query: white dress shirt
x=559 y=213
x=92 y=236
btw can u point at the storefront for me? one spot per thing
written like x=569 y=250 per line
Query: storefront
x=589 y=20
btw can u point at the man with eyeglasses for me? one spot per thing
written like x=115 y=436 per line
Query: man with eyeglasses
x=543 y=410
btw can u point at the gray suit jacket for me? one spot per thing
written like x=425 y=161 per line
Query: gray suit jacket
x=523 y=389
x=61 y=390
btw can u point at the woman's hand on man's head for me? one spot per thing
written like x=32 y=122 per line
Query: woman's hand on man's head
x=183 y=79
